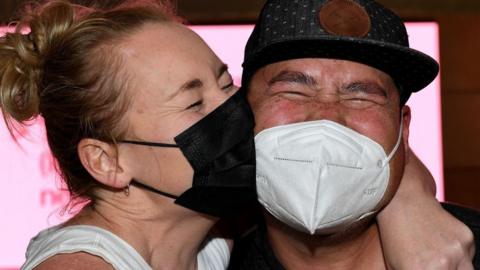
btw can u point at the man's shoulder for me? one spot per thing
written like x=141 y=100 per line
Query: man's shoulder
x=471 y=218
x=253 y=251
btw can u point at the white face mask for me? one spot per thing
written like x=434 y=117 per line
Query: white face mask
x=319 y=177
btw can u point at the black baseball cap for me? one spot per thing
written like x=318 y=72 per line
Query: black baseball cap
x=362 y=31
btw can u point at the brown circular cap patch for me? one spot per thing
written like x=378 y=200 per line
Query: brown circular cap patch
x=344 y=18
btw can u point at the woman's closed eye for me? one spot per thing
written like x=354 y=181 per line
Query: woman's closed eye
x=225 y=79
x=195 y=105
x=228 y=86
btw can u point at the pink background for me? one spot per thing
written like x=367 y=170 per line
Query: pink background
x=30 y=199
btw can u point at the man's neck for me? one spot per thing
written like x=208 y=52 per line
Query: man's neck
x=359 y=248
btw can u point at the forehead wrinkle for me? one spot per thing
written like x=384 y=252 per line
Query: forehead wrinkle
x=162 y=112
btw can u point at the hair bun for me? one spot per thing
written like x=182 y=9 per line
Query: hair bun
x=20 y=71
x=22 y=57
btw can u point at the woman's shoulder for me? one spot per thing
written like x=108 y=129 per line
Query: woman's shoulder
x=81 y=243
x=74 y=261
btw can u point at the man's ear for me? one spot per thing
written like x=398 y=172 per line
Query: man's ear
x=406 y=118
x=100 y=159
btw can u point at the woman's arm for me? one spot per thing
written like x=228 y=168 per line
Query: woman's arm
x=416 y=232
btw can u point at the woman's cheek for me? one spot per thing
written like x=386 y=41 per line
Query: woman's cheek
x=179 y=124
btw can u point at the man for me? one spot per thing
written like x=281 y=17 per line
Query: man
x=328 y=81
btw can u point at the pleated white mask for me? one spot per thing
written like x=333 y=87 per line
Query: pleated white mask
x=319 y=177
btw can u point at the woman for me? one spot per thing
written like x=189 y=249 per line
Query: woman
x=120 y=91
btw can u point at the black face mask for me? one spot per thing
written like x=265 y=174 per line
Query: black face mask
x=220 y=148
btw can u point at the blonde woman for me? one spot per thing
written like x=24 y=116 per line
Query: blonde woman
x=144 y=121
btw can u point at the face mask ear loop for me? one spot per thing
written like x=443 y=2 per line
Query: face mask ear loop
x=154 y=144
x=399 y=140
x=151 y=189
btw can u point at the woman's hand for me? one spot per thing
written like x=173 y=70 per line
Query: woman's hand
x=416 y=232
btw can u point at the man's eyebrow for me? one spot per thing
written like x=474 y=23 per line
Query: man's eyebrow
x=365 y=87
x=293 y=77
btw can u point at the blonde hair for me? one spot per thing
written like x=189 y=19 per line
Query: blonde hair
x=66 y=70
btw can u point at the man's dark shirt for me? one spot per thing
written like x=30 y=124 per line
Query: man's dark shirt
x=253 y=252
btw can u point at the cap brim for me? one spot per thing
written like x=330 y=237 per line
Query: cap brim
x=411 y=69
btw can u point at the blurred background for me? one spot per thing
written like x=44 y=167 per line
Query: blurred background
x=459 y=25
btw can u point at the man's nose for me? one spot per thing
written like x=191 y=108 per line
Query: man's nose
x=326 y=108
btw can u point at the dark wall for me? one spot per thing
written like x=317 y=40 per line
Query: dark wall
x=459 y=22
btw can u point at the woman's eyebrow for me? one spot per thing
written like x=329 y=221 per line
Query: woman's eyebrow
x=189 y=85
x=192 y=84
x=293 y=77
x=196 y=83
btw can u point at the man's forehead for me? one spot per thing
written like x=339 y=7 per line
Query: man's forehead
x=323 y=69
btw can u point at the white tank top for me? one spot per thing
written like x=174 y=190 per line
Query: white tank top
x=90 y=239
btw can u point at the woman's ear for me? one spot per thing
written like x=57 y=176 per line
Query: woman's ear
x=100 y=159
